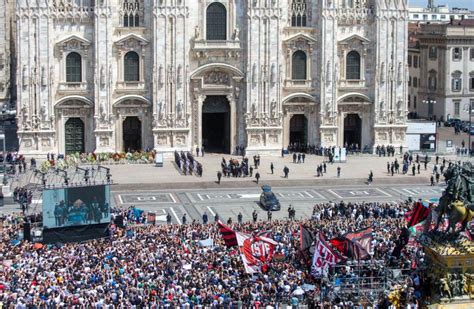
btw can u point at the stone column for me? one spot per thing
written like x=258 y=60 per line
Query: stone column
x=233 y=123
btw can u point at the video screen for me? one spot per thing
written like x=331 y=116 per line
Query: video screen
x=76 y=206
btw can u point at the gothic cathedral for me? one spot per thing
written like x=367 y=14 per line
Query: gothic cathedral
x=124 y=75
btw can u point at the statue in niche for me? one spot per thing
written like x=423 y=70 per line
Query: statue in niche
x=43 y=112
x=382 y=72
x=162 y=110
x=24 y=116
x=400 y=72
x=254 y=73
x=178 y=76
x=328 y=72
x=273 y=73
x=24 y=74
x=43 y=77
x=399 y=108
x=179 y=110
x=102 y=75
x=273 y=108
x=253 y=110
x=102 y=112
x=328 y=109
x=197 y=32
x=160 y=75
x=236 y=33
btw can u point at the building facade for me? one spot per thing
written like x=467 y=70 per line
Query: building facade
x=6 y=14
x=447 y=63
x=119 y=75
x=437 y=14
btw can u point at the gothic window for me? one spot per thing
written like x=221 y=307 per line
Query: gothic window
x=298 y=13
x=73 y=68
x=132 y=67
x=216 y=22
x=353 y=65
x=298 y=65
x=457 y=54
x=131 y=13
x=456 y=81
x=433 y=52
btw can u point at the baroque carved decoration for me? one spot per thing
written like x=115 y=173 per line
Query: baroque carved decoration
x=216 y=78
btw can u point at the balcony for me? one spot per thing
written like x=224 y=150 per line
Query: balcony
x=352 y=84
x=223 y=48
x=72 y=88
x=298 y=84
x=131 y=87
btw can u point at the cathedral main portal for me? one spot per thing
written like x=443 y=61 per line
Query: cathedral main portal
x=352 y=130
x=216 y=124
x=132 y=134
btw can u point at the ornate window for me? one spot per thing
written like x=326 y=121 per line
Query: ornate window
x=131 y=13
x=131 y=67
x=299 y=65
x=298 y=13
x=433 y=52
x=456 y=81
x=216 y=22
x=353 y=65
x=73 y=68
x=457 y=54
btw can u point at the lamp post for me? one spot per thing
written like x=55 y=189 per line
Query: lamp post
x=2 y=137
x=469 y=106
x=430 y=102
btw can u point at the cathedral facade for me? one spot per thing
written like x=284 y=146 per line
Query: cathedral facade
x=121 y=75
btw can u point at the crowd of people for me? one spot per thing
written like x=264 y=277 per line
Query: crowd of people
x=167 y=265
x=186 y=163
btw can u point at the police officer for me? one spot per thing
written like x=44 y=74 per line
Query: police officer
x=239 y=218
x=168 y=218
x=257 y=176
x=184 y=219
x=204 y=218
x=269 y=215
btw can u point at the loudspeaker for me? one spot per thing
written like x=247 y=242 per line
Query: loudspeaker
x=119 y=221
x=27 y=231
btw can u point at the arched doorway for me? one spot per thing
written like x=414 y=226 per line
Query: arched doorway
x=216 y=124
x=132 y=134
x=74 y=136
x=298 y=130
x=352 y=130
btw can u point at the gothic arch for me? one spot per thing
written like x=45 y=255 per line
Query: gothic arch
x=362 y=96
x=61 y=102
x=299 y=95
x=217 y=66
x=131 y=98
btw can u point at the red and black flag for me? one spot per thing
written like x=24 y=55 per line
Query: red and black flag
x=363 y=238
x=417 y=214
x=349 y=248
x=228 y=234
x=306 y=241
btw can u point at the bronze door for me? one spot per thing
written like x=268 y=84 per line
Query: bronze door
x=74 y=134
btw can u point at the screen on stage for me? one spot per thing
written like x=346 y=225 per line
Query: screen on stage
x=76 y=206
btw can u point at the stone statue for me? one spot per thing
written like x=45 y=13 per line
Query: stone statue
x=328 y=72
x=400 y=72
x=273 y=108
x=162 y=114
x=273 y=74
x=102 y=112
x=197 y=32
x=102 y=75
x=24 y=74
x=254 y=110
x=382 y=72
x=254 y=73
x=178 y=76
x=236 y=33
x=179 y=110
x=24 y=116
x=160 y=75
x=44 y=78
x=43 y=112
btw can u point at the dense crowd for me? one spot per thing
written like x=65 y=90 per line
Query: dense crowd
x=147 y=265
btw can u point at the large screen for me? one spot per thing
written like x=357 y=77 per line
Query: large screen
x=76 y=206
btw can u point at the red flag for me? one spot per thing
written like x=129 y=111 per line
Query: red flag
x=256 y=252
x=228 y=234
x=418 y=214
x=363 y=238
x=349 y=248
